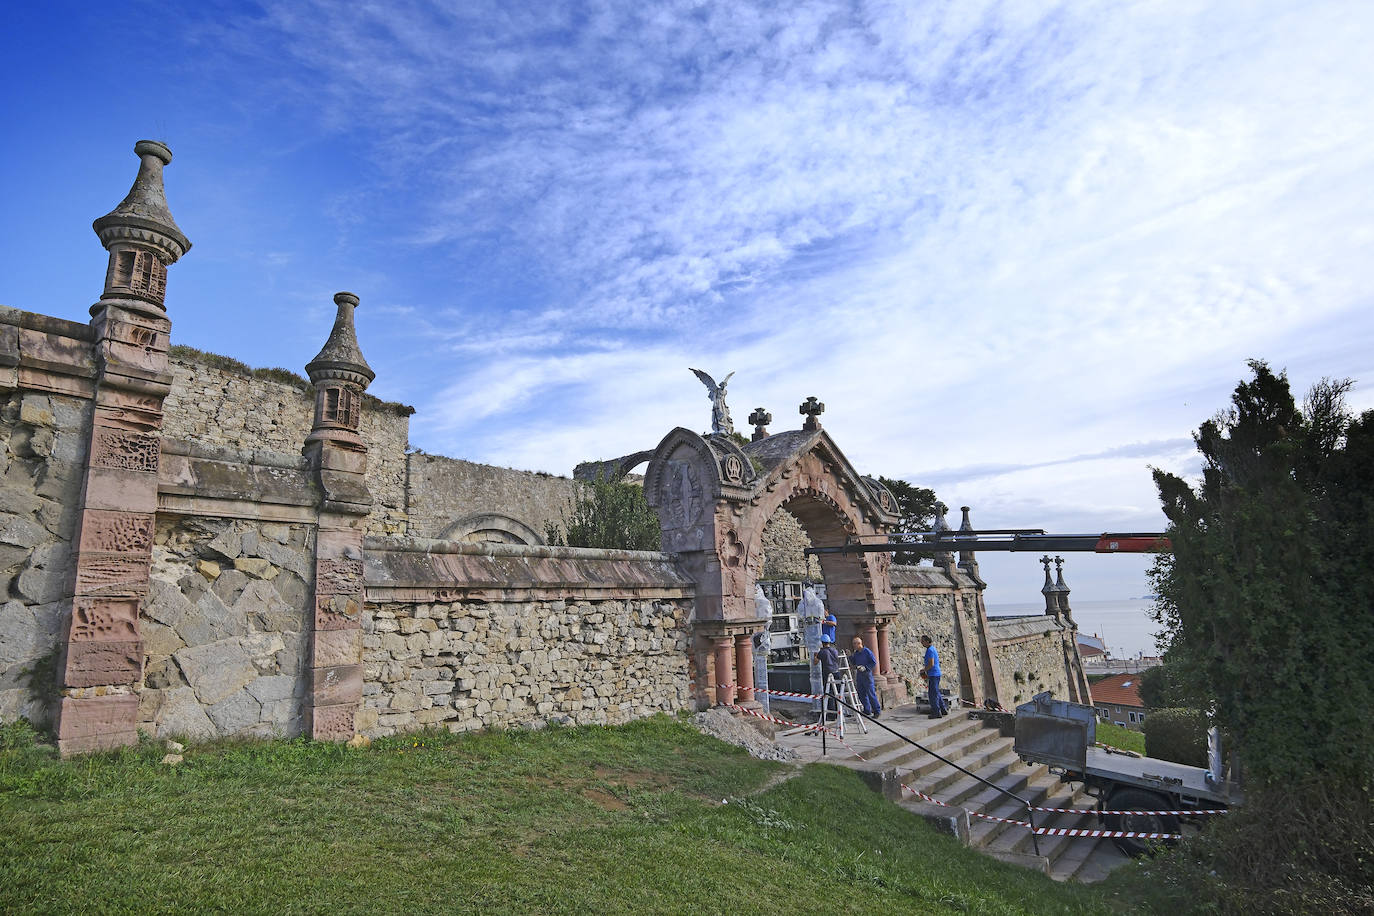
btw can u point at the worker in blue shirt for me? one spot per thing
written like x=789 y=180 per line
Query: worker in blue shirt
x=828 y=627
x=865 y=664
x=930 y=670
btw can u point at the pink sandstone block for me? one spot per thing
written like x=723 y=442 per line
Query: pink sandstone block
x=336 y=684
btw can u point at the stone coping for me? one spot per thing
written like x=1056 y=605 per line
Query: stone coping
x=527 y=551
x=1005 y=629
x=46 y=323
x=427 y=570
x=912 y=577
x=230 y=455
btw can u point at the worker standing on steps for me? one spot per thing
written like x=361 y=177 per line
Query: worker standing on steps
x=864 y=664
x=930 y=670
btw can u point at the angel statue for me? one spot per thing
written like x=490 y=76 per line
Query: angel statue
x=720 y=414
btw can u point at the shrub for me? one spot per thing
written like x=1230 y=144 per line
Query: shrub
x=609 y=514
x=1179 y=735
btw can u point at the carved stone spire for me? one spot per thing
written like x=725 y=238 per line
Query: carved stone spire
x=760 y=418
x=141 y=236
x=340 y=375
x=967 y=561
x=1048 y=589
x=1062 y=590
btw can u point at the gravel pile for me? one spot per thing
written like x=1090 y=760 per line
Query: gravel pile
x=737 y=730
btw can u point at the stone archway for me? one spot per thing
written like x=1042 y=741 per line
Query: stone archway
x=714 y=498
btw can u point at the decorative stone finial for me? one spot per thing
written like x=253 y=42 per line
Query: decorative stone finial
x=1061 y=589
x=760 y=418
x=340 y=375
x=968 y=562
x=1051 y=601
x=141 y=235
x=812 y=410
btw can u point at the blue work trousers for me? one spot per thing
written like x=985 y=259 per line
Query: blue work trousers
x=868 y=695
x=937 y=702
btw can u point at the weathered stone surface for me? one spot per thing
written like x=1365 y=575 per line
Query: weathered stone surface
x=276 y=687
x=216 y=670
x=166 y=604
x=236 y=713
x=19 y=633
x=182 y=716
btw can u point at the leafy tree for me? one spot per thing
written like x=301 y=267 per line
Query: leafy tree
x=1158 y=688
x=609 y=514
x=1267 y=603
x=917 y=505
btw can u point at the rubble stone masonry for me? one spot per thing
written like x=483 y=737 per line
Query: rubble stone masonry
x=467 y=665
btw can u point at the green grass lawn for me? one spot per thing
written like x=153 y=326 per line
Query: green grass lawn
x=1123 y=738
x=650 y=817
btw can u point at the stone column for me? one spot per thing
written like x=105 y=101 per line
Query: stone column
x=885 y=649
x=338 y=459
x=725 y=668
x=101 y=668
x=744 y=668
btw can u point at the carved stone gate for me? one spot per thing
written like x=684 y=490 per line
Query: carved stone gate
x=713 y=500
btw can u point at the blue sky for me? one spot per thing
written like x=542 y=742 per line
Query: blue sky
x=1020 y=250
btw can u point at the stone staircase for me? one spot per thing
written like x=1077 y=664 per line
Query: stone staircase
x=979 y=748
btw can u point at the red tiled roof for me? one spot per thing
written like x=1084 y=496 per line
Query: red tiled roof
x=1118 y=690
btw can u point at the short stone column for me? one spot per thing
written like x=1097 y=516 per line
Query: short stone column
x=725 y=669
x=885 y=649
x=744 y=669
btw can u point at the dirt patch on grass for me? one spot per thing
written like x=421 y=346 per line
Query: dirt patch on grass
x=604 y=799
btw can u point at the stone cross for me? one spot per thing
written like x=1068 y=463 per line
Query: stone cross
x=760 y=418
x=812 y=410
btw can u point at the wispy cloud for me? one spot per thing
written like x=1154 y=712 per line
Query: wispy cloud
x=1007 y=244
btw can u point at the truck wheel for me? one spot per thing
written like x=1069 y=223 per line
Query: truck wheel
x=1138 y=800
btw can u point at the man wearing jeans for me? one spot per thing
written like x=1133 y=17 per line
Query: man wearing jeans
x=931 y=671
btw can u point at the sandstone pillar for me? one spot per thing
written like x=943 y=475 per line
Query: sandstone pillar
x=338 y=459
x=725 y=669
x=744 y=668
x=885 y=648
x=101 y=668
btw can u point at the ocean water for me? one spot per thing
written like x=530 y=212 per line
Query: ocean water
x=1125 y=625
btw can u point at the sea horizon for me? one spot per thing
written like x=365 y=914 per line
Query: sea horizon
x=1124 y=624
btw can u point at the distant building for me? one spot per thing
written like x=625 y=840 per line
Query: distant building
x=1117 y=698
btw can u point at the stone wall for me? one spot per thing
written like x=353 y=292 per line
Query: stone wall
x=925 y=606
x=470 y=635
x=448 y=497
x=215 y=402
x=44 y=438
x=784 y=539
x=1029 y=653
x=467 y=665
x=225 y=628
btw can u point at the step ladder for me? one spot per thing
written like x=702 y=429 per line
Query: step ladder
x=841 y=684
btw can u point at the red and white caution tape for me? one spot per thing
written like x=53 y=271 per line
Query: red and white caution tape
x=1107 y=811
x=771 y=693
x=775 y=720
x=1122 y=834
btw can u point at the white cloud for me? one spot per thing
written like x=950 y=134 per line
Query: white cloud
x=981 y=233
